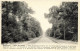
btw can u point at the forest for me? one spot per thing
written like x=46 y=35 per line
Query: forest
x=64 y=20
x=17 y=22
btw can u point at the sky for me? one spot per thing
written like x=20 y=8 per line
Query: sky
x=40 y=7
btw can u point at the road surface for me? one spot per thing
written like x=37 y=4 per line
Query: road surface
x=44 y=39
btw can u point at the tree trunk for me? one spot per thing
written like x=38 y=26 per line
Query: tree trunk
x=64 y=31
x=54 y=34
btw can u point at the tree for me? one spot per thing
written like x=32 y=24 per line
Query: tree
x=64 y=20
x=70 y=16
x=15 y=22
x=48 y=32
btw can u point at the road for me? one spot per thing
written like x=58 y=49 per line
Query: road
x=44 y=39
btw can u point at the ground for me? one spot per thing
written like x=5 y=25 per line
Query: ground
x=45 y=39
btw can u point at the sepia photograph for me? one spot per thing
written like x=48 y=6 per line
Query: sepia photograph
x=19 y=25
x=39 y=22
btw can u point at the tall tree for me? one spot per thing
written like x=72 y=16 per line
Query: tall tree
x=65 y=19
x=15 y=22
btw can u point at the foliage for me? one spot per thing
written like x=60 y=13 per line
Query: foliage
x=17 y=23
x=48 y=32
x=64 y=20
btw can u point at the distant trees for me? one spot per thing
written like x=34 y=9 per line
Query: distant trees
x=17 y=24
x=48 y=32
x=64 y=21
